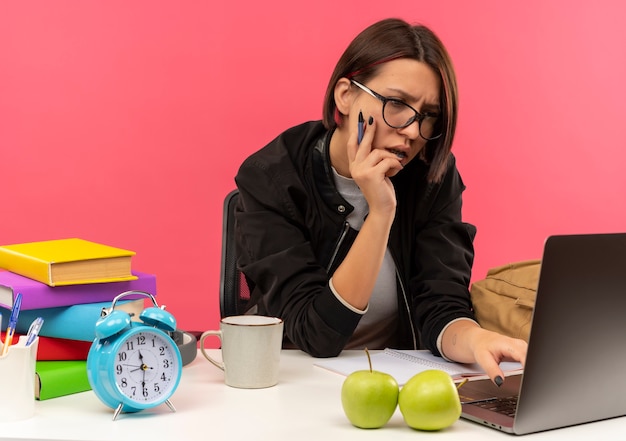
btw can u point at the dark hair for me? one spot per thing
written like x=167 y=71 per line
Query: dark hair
x=388 y=40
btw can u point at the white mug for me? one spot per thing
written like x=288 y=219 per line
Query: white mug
x=251 y=346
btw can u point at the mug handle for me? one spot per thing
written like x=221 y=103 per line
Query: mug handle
x=204 y=335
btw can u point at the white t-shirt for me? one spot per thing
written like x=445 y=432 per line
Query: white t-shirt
x=377 y=328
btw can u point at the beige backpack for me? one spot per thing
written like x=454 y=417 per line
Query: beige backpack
x=504 y=300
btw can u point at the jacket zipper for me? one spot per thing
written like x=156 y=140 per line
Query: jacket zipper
x=406 y=308
x=346 y=227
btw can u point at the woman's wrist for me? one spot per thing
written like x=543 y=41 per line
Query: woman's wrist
x=458 y=339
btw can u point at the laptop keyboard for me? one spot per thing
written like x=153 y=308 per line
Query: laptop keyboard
x=504 y=405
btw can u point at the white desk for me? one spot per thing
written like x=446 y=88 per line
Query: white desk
x=305 y=405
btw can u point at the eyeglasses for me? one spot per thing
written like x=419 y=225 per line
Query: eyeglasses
x=398 y=115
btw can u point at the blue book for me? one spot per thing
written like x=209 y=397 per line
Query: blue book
x=76 y=322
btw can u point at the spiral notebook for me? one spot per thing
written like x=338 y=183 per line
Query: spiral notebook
x=403 y=364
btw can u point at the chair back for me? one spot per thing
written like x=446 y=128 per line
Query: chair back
x=234 y=291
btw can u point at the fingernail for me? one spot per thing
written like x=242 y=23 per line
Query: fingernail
x=371 y=120
x=498 y=380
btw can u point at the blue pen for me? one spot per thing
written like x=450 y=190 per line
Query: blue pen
x=15 y=312
x=361 y=128
x=33 y=330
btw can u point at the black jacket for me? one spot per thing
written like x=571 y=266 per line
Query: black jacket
x=292 y=234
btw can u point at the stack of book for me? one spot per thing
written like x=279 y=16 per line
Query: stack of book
x=67 y=282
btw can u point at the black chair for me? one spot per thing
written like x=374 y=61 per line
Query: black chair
x=234 y=291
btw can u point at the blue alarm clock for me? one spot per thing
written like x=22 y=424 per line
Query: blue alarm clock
x=133 y=365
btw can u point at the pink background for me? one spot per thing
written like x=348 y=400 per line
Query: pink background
x=124 y=122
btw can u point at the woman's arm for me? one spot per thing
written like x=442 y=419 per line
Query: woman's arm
x=276 y=253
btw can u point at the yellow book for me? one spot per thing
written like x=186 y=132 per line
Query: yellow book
x=68 y=262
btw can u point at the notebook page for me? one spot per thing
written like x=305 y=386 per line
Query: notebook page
x=403 y=364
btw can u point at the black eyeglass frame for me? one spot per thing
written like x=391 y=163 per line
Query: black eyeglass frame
x=419 y=117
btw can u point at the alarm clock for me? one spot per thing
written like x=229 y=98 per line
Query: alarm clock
x=131 y=365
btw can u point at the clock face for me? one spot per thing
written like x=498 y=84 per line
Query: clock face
x=146 y=367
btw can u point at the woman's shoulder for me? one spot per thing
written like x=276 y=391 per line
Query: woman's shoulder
x=297 y=136
x=288 y=153
x=292 y=145
x=307 y=132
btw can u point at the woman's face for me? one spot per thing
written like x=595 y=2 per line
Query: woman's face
x=410 y=81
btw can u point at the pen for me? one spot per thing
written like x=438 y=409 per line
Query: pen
x=33 y=330
x=15 y=312
x=361 y=127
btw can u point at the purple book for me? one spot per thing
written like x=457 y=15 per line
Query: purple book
x=37 y=295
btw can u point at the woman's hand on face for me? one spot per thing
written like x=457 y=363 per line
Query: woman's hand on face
x=371 y=168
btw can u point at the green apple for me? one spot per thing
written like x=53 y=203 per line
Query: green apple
x=430 y=401
x=369 y=398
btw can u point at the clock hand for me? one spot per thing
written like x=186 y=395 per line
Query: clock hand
x=143 y=370
x=138 y=366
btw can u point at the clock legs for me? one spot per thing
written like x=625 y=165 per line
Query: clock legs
x=117 y=411
x=170 y=405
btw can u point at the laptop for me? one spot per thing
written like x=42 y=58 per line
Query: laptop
x=575 y=369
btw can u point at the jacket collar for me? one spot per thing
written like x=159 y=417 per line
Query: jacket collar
x=323 y=176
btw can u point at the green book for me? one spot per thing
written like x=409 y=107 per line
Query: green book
x=59 y=378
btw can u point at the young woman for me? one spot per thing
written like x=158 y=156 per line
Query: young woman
x=350 y=229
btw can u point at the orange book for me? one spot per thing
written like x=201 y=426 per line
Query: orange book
x=68 y=262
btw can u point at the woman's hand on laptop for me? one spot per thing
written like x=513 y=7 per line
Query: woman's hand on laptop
x=465 y=341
